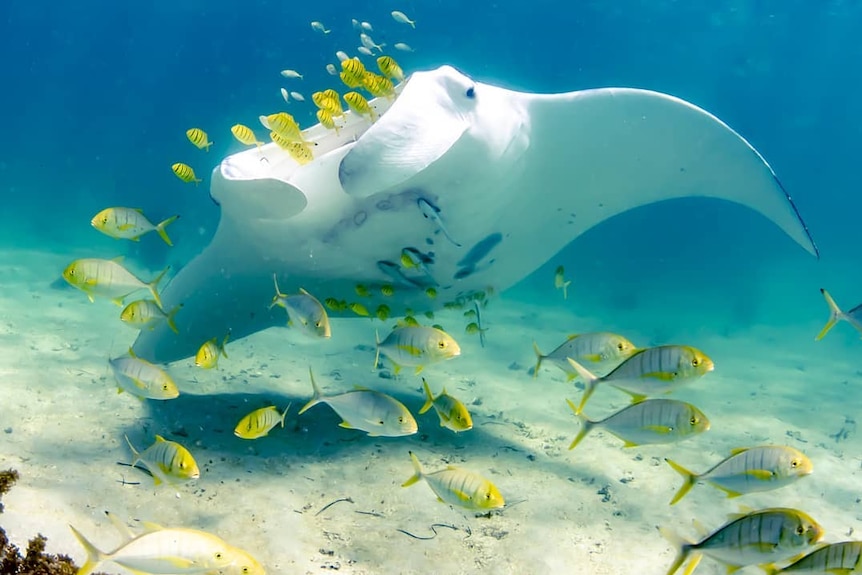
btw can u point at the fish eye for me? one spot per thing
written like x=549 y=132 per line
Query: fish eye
x=165 y=387
x=104 y=219
x=794 y=464
x=693 y=421
x=218 y=555
x=245 y=570
x=620 y=346
x=441 y=345
x=400 y=419
x=695 y=362
x=800 y=529
x=471 y=92
x=488 y=495
x=317 y=324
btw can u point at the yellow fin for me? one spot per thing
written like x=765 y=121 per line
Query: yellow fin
x=738 y=450
x=664 y=429
x=660 y=375
x=345 y=425
x=593 y=357
x=762 y=474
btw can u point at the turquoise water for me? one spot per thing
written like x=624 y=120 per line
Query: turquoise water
x=99 y=97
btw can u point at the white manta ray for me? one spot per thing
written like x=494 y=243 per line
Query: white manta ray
x=481 y=185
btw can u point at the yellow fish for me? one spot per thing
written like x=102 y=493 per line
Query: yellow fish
x=360 y=105
x=167 y=461
x=108 y=278
x=387 y=290
x=350 y=81
x=199 y=138
x=353 y=67
x=324 y=101
x=185 y=173
x=326 y=120
x=142 y=378
x=358 y=309
x=284 y=125
x=457 y=486
x=452 y=413
x=168 y=550
x=431 y=292
x=362 y=291
x=129 y=224
x=473 y=328
x=260 y=422
x=560 y=281
x=853 y=317
x=334 y=304
x=299 y=151
x=382 y=312
x=245 y=135
x=146 y=313
x=389 y=67
x=207 y=355
x=378 y=85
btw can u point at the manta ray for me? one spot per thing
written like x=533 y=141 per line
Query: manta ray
x=459 y=186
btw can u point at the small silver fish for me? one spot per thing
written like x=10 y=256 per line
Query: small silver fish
x=297 y=96
x=285 y=96
x=403 y=47
x=599 y=351
x=377 y=414
x=843 y=558
x=457 y=486
x=319 y=27
x=365 y=51
x=416 y=346
x=432 y=213
x=142 y=378
x=332 y=70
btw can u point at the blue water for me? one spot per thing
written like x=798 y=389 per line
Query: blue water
x=97 y=97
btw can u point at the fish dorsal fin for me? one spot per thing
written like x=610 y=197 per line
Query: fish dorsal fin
x=738 y=450
x=150 y=527
x=118 y=259
x=572 y=336
x=304 y=292
x=160 y=439
x=361 y=388
x=132 y=353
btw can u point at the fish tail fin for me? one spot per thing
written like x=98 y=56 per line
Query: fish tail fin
x=137 y=456
x=154 y=285
x=171 y=316
x=589 y=378
x=197 y=181
x=539 y=358
x=586 y=424
x=377 y=349
x=430 y=401
x=689 y=480
x=94 y=556
x=417 y=471
x=207 y=146
x=566 y=289
x=315 y=398
x=284 y=414
x=160 y=229
x=835 y=314
x=221 y=347
x=683 y=548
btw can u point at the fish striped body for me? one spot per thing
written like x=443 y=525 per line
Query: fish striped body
x=260 y=422
x=245 y=135
x=452 y=413
x=370 y=411
x=208 y=353
x=749 y=470
x=185 y=173
x=389 y=67
x=172 y=551
x=142 y=378
x=652 y=421
x=649 y=372
x=378 y=85
x=129 y=224
x=167 y=461
x=600 y=352
x=360 y=105
x=326 y=120
x=458 y=487
x=199 y=138
x=843 y=558
x=146 y=314
x=417 y=346
x=284 y=125
x=764 y=536
x=108 y=278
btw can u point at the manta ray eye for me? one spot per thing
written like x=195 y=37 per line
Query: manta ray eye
x=471 y=92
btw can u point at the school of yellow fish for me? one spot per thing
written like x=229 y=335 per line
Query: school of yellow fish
x=599 y=360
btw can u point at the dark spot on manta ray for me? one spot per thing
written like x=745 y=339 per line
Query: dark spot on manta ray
x=429 y=241
x=464 y=272
x=384 y=205
x=471 y=92
x=360 y=217
x=482 y=248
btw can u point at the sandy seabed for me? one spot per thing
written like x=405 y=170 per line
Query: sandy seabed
x=591 y=510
